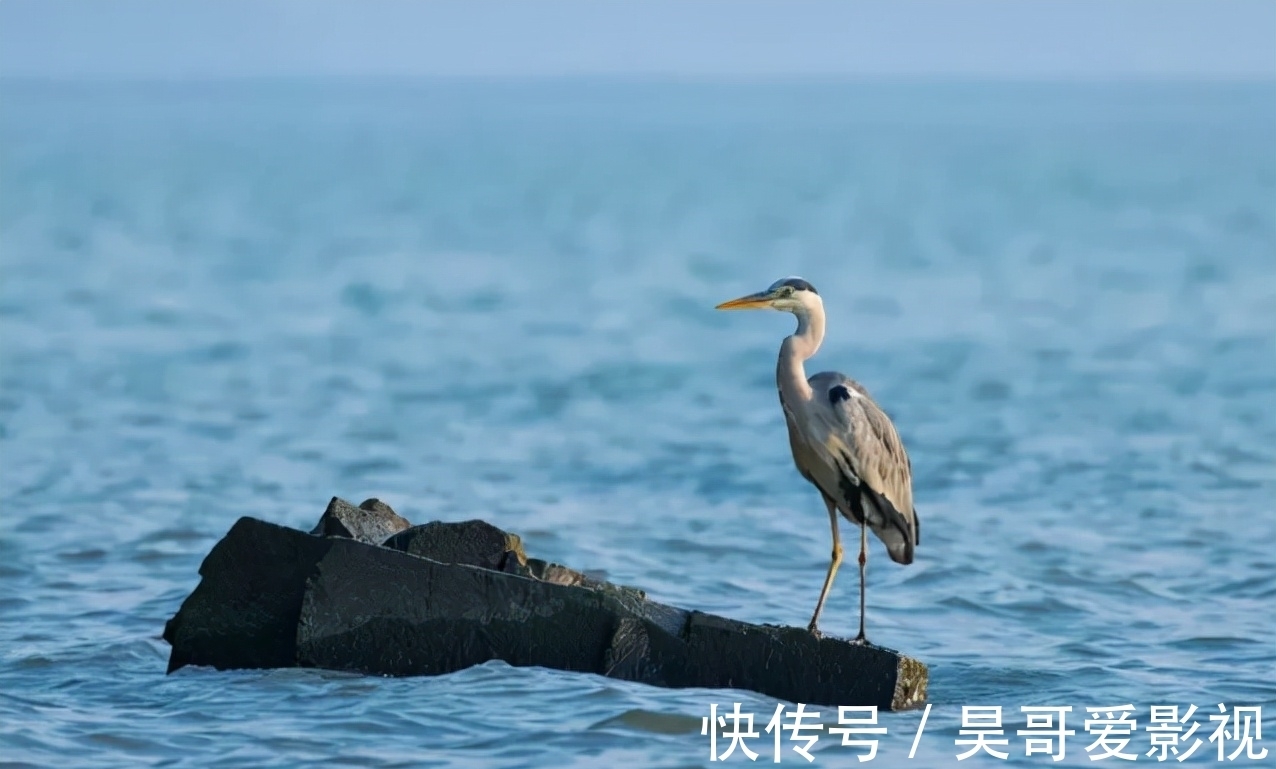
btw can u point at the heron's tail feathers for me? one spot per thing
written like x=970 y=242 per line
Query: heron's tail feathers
x=898 y=544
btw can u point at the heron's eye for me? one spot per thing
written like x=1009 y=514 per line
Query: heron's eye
x=788 y=291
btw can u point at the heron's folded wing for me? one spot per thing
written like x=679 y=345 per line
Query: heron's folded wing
x=862 y=437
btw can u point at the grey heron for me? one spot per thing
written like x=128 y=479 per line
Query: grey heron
x=842 y=441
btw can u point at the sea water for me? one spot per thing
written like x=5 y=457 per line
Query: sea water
x=494 y=300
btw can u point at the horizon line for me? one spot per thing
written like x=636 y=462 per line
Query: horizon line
x=654 y=78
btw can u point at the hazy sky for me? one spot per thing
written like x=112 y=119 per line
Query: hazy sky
x=688 y=38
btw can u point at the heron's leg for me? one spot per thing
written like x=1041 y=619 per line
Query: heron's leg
x=833 y=564
x=861 y=638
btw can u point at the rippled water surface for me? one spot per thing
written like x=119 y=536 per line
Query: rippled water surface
x=496 y=301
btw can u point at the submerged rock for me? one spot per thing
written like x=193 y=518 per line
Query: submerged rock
x=442 y=597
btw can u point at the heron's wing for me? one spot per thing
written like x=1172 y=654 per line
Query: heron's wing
x=875 y=473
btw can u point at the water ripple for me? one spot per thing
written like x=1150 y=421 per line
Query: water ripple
x=497 y=302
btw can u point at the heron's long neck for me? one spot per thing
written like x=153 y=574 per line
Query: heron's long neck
x=790 y=374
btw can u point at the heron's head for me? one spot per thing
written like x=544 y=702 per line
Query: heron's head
x=787 y=295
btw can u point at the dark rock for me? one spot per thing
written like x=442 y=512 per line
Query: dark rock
x=381 y=610
x=244 y=612
x=555 y=573
x=471 y=543
x=391 y=613
x=372 y=522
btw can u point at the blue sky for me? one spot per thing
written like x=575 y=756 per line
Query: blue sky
x=1019 y=39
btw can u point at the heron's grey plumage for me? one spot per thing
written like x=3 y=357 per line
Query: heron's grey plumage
x=842 y=441
x=852 y=453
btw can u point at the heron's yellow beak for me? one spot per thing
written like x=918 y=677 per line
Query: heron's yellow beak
x=758 y=301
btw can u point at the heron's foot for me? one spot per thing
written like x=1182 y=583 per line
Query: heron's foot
x=860 y=640
x=813 y=630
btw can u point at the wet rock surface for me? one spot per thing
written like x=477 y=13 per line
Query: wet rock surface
x=372 y=521
x=444 y=596
x=471 y=543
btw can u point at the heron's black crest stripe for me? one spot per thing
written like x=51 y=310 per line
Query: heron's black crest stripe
x=800 y=285
x=838 y=394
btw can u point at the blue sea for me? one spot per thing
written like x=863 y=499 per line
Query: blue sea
x=495 y=300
